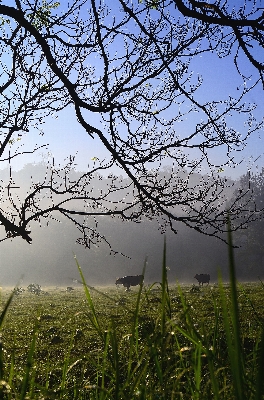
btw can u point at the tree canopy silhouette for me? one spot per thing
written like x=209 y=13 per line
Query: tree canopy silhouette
x=251 y=194
x=128 y=69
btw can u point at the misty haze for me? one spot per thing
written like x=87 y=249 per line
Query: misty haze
x=49 y=260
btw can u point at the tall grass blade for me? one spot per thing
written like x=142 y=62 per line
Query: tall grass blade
x=210 y=352
x=165 y=298
x=260 y=370
x=1 y=360
x=11 y=368
x=239 y=356
x=134 y=334
x=94 y=318
x=26 y=380
x=197 y=370
x=232 y=326
x=165 y=312
x=115 y=359
x=2 y=317
x=66 y=367
x=3 y=313
x=102 y=365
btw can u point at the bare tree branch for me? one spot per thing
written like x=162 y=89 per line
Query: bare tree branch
x=132 y=64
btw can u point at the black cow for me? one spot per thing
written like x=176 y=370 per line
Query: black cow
x=203 y=278
x=128 y=281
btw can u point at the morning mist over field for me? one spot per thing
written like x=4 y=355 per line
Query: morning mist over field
x=49 y=260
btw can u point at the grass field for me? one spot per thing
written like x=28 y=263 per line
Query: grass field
x=154 y=342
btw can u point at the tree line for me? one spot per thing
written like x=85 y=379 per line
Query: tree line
x=49 y=260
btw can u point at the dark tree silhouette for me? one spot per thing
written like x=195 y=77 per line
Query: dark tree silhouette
x=250 y=240
x=131 y=64
x=244 y=20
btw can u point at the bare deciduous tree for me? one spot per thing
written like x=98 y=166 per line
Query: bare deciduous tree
x=132 y=65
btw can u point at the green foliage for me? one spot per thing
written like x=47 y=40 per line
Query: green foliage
x=155 y=342
x=154 y=4
x=45 y=88
x=41 y=16
x=13 y=141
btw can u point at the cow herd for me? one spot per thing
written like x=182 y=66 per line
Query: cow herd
x=134 y=280
x=126 y=281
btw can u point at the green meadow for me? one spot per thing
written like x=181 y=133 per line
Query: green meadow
x=157 y=341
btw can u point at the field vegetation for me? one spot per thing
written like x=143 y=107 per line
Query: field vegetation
x=153 y=342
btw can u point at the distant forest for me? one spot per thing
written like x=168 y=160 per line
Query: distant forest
x=49 y=260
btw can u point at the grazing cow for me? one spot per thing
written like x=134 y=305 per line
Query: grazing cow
x=128 y=281
x=203 y=278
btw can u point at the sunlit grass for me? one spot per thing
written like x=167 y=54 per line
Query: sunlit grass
x=154 y=342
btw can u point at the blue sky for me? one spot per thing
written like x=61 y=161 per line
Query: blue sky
x=66 y=137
